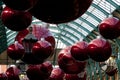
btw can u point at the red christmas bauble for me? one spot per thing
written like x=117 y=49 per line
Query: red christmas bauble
x=59 y=11
x=99 y=50
x=109 y=28
x=15 y=51
x=3 y=76
x=39 y=72
x=15 y=20
x=13 y=73
x=68 y=64
x=57 y=74
x=42 y=49
x=20 y=4
x=79 y=51
x=51 y=40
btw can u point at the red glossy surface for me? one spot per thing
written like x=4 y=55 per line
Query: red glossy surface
x=99 y=50
x=20 y=4
x=15 y=20
x=60 y=11
x=51 y=40
x=109 y=28
x=42 y=49
x=15 y=51
x=79 y=51
x=39 y=72
x=68 y=64
x=57 y=74
x=13 y=73
x=3 y=76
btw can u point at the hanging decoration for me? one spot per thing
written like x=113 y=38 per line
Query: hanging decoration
x=15 y=20
x=13 y=73
x=15 y=51
x=68 y=64
x=3 y=76
x=109 y=28
x=39 y=72
x=60 y=11
x=57 y=74
x=21 y=5
x=99 y=49
x=31 y=45
x=79 y=51
x=42 y=49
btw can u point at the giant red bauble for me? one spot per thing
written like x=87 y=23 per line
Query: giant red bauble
x=56 y=74
x=42 y=49
x=15 y=51
x=60 y=11
x=13 y=73
x=99 y=49
x=68 y=64
x=79 y=76
x=39 y=72
x=79 y=51
x=3 y=76
x=109 y=28
x=15 y=20
x=20 y=4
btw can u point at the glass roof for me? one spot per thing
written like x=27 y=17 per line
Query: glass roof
x=77 y=30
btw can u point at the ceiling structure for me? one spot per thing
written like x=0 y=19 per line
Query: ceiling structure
x=83 y=28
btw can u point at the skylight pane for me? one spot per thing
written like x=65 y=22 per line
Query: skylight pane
x=92 y=20
x=99 y=14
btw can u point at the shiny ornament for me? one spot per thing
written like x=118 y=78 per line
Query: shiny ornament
x=15 y=51
x=20 y=5
x=99 y=49
x=15 y=20
x=68 y=64
x=51 y=40
x=57 y=74
x=59 y=11
x=79 y=51
x=3 y=76
x=39 y=72
x=13 y=73
x=42 y=49
x=109 y=28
